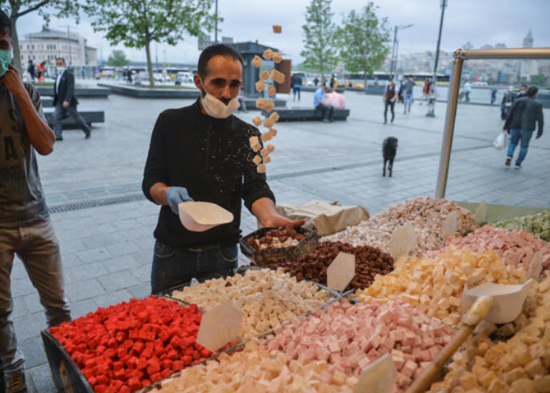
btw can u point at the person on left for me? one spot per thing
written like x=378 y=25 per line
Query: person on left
x=25 y=227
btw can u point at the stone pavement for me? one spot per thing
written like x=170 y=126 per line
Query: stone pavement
x=105 y=226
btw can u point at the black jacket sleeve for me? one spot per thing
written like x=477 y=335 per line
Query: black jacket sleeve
x=255 y=184
x=540 y=119
x=155 y=167
x=70 y=87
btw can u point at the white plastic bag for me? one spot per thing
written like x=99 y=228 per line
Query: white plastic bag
x=502 y=141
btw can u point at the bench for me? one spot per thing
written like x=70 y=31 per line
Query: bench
x=251 y=103
x=90 y=115
x=79 y=91
x=307 y=114
x=145 y=92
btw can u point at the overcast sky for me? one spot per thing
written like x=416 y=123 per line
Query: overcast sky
x=478 y=21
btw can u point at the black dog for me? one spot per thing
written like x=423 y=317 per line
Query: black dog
x=389 y=150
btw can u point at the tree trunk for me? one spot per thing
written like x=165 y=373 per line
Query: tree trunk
x=15 y=38
x=149 y=64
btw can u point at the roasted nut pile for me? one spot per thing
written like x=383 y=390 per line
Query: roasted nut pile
x=427 y=216
x=369 y=262
x=266 y=297
x=518 y=365
x=254 y=370
x=350 y=337
x=516 y=247
x=277 y=238
x=537 y=224
x=435 y=285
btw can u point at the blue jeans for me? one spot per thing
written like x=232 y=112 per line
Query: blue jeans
x=516 y=135
x=174 y=266
x=408 y=102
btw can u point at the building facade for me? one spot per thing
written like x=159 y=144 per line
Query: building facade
x=50 y=44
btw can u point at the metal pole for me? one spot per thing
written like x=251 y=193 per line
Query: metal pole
x=393 y=50
x=69 y=40
x=216 y=25
x=449 y=129
x=431 y=108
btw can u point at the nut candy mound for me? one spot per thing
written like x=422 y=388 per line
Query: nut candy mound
x=435 y=285
x=126 y=347
x=518 y=365
x=350 y=337
x=427 y=215
x=277 y=238
x=516 y=247
x=255 y=370
x=537 y=224
x=265 y=297
x=369 y=262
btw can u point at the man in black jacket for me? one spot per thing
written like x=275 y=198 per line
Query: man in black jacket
x=521 y=122
x=201 y=152
x=65 y=101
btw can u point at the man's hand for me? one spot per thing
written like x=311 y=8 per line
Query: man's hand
x=175 y=196
x=506 y=131
x=12 y=81
x=539 y=134
x=65 y=104
x=280 y=221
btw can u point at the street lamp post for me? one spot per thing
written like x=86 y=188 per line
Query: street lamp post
x=216 y=25
x=431 y=108
x=395 y=48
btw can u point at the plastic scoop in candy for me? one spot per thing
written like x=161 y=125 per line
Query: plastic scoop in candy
x=507 y=300
x=202 y=216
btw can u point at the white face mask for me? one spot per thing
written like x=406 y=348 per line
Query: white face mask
x=216 y=108
x=60 y=70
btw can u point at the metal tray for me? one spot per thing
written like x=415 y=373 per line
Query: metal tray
x=274 y=255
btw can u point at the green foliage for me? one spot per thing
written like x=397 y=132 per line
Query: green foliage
x=118 y=59
x=18 y=8
x=138 y=23
x=318 y=36
x=363 y=39
x=538 y=80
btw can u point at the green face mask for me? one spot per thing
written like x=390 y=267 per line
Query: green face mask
x=5 y=60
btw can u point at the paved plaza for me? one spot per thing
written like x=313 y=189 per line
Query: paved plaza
x=105 y=225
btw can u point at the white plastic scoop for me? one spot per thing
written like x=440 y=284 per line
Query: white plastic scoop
x=494 y=302
x=202 y=216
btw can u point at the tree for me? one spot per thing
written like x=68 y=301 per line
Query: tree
x=364 y=40
x=138 y=23
x=318 y=32
x=538 y=80
x=18 y=8
x=118 y=59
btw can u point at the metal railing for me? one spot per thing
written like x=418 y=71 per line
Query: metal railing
x=450 y=118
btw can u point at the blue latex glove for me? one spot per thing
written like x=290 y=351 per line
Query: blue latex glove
x=175 y=196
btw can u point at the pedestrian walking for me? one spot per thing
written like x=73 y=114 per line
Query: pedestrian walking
x=390 y=95
x=25 y=226
x=401 y=92
x=493 y=95
x=426 y=90
x=315 y=81
x=31 y=69
x=467 y=90
x=508 y=100
x=521 y=123
x=522 y=91
x=242 y=103
x=409 y=86
x=129 y=76
x=65 y=101
x=296 y=83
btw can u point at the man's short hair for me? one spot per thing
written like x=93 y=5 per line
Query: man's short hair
x=532 y=91
x=216 y=50
x=524 y=85
x=61 y=58
x=5 y=23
